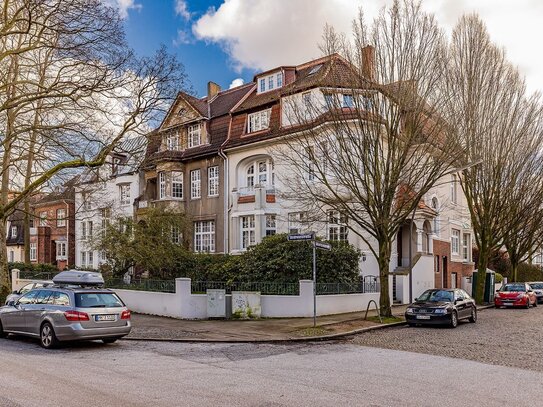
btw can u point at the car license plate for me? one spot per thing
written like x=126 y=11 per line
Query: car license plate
x=105 y=317
x=423 y=316
x=508 y=304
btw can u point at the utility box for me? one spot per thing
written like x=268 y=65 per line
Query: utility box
x=489 y=285
x=216 y=303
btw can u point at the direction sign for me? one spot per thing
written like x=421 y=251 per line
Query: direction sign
x=323 y=245
x=301 y=236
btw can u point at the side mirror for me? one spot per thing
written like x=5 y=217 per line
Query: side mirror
x=11 y=303
x=15 y=292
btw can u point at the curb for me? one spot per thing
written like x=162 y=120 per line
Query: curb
x=321 y=338
x=282 y=340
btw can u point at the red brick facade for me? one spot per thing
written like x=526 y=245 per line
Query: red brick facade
x=47 y=233
x=444 y=268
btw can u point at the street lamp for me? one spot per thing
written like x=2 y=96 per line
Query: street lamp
x=452 y=171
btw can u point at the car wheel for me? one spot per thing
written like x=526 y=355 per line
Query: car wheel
x=473 y=317
x=528 y=303
x=2 y=333
x=454 y=319
x=110 y=340
x=412 y=325
x=48 y=339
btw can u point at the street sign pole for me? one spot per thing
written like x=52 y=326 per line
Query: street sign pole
x=314 y=285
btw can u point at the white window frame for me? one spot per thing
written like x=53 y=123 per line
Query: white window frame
x=162 y=185
x=271 y=225
x=195 y=135
x=61 y=251
x=124 y=194
x=247 y=227
x=455 y=242
x=213 y=181
x=204 y=236
x=258 y=121
x=61 y=218
x=466 y=243
x=279 y=77
x=435 y=207
x=173 y=142
x=177 y=184
x=83 y=258
x=271 y=82
x=195 y=184
x=296 y=222
x=176 y=234
x=345 y=98
x=454 y=189
x=337 y=226
x=43 y=218
x=11 y=256
x=33 y=251
x=83 y=230
x=13 y=232
x=262 y=85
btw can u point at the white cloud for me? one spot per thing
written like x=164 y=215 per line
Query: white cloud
x=236 y=82
x=261 y=34
x=181 y=9
x=183 y=37
x=124 y=5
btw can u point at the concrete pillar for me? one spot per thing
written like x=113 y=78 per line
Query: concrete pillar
x=260 y=197
x=419 y=241
x=259 y=226
x=15 y=279
x=306 y=295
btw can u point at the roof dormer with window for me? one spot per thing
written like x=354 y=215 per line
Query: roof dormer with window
x=270 y=81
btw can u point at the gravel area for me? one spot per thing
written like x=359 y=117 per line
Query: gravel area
x=507 y=337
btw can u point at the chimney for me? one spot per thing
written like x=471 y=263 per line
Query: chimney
x=212 y=90
x=368 y=62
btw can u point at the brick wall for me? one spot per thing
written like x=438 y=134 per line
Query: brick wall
x=443 y=250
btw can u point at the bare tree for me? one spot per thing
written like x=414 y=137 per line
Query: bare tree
x=491 y=117
x=70 y=91
x=372 y=146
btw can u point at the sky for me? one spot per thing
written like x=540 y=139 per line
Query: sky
x=228 y=41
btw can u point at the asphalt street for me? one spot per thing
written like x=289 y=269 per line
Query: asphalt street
x=320 y=374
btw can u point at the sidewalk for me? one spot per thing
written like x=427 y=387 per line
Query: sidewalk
x=149 y=327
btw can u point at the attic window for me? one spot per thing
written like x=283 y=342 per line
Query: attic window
x=315 y=69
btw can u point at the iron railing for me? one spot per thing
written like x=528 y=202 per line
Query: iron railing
x=368 y=284
x=163 y=286
x=265 y=288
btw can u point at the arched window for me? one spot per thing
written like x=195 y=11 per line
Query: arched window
x=259 y=172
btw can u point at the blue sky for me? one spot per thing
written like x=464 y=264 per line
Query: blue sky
x=156 y=23
x=224 y=40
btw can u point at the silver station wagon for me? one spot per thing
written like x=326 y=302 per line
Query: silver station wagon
x=67 y=312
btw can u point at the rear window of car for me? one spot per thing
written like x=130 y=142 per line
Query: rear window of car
x=537 y=286
x=97 y=300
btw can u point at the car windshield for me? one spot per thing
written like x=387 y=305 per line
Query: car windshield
x=513 y=287
x=97 y=300
x=537 y=286
x=436 y=296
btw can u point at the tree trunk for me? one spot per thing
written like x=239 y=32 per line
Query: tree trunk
x=384 y=266
x=482 y=264
x=5 y=288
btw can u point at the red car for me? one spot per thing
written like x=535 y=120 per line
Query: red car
x=515 y=295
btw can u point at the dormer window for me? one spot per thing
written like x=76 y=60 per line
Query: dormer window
x=270 y=82
x=195 y=135
x=258 y=121
x=173 y=142
x=14 y=232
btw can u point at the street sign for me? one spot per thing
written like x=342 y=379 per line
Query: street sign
x=301 y=236
x=323 y=245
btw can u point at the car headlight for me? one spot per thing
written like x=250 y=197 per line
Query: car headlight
x=410 y=310
x=441 y=311
x=521 y=295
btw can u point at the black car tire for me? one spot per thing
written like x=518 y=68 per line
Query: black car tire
x=473 y=317
x=454 y=319
x=48 y=339
x=412 y=325
x=110 y=340
x=2 y=333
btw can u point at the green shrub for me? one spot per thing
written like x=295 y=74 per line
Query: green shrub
x=499 y=277
x=529 y=272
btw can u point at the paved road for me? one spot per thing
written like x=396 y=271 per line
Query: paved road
x=323 y=374
x=507 y=337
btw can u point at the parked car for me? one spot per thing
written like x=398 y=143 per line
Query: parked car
x=441 y=307
x=537 y=287
x=515 y=295
x=15 y=295
x=67 y=312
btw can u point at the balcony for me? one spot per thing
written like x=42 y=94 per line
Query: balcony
x=258 y=196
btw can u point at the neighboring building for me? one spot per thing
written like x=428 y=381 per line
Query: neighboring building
x=183 y=168
x=106 y=194
x=52 y=235
x=15 y=237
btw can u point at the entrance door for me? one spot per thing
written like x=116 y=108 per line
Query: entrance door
x=453 y=280
x=444 y=270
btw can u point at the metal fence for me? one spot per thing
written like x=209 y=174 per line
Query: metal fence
x=163 y=286
x=36 y=275
x=369 y=284
x=265 y=288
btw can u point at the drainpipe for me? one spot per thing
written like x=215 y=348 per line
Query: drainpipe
x=226 y=210
x=67 y=233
